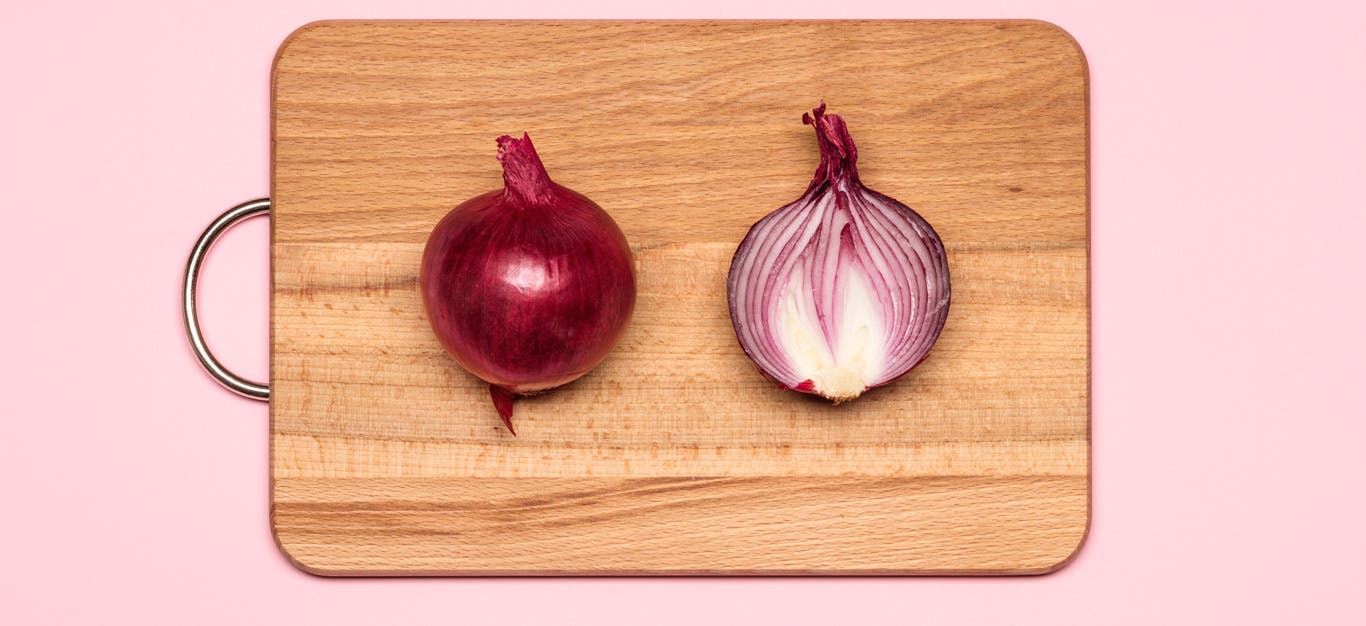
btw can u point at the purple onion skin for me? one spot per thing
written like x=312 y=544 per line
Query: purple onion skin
x=914 y=291
x=528 y=287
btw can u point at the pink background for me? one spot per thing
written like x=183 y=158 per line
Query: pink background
x=1229 y=154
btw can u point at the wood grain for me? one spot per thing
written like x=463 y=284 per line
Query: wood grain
x=674 y=456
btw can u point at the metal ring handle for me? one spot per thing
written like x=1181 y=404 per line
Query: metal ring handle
x=225 y=221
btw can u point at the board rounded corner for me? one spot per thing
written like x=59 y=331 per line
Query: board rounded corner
x=1071 y=556
x=293 y=37
x=295 y=559
x=1068 y=39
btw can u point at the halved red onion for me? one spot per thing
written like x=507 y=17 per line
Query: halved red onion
x=843 y=290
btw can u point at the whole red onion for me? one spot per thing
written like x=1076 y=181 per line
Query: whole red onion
x=530 y=286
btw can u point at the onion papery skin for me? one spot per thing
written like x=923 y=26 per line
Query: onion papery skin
x=528 y=287
x=844 y=289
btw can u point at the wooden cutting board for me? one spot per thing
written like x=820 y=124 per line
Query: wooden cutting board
x=674 y=456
